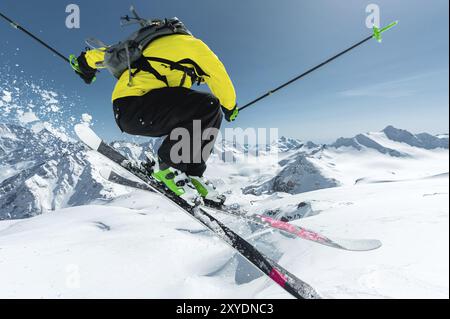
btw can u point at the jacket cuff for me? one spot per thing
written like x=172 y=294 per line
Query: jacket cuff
x=84 y=66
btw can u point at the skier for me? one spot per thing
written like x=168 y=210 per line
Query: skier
x=154 y=97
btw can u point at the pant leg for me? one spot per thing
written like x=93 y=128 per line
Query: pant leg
x=161 y=111
x=205 y=109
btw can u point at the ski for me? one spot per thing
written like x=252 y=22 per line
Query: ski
x=304 y=233
x=267 y=222
x=289 y=282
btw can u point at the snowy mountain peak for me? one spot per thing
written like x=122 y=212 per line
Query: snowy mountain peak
x=379 y=141
x=41 y=172
x=422 y=140
x=298 y=176
x=363 y=141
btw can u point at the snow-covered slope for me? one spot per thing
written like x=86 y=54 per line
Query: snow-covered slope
x=118 y=242
x=409 y=217
x=351 y=165
x=139 y=247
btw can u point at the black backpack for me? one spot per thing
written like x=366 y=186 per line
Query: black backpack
x=128 y=54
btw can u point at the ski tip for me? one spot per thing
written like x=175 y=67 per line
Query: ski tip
x=87 y=136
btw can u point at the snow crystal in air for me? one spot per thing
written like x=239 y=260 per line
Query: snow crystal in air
x=49 y=97
x=54 y=108
x=27 y=101
x=7 y=96
x=26 y=117
x=86 y=118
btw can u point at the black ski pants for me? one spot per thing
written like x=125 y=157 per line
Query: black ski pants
x=161 y=111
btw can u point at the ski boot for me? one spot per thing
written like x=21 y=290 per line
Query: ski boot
x=178 y=183
x=208 y=191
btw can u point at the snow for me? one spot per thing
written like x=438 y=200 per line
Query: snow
x=27 y=117
x=349 y=165
x=116 y=242
x=140 y=246
x=134 y=247
x=86 y=118
x=138 y=257
x=49 y=97
x=41 y=172
x=410 y=218
x=7 y=96
x=28 y=101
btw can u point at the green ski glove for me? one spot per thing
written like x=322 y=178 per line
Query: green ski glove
x=230 y=115
x=82 y=69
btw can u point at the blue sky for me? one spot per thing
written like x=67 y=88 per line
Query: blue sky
x=403 y=81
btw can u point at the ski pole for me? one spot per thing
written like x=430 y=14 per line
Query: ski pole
x=18 y=27
x=377 y=32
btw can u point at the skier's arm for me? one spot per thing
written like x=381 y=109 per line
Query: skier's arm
x=218 y=80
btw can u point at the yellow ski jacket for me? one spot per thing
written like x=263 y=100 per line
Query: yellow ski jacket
x=174 y=48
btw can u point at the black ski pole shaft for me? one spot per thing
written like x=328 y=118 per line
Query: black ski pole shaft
x=305 y=73
x=17 y=26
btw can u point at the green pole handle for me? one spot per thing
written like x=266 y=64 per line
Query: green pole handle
x=377 y=32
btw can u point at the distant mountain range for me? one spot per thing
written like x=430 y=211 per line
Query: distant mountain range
x=423 y=140
x=327 y=165
x=40 y=172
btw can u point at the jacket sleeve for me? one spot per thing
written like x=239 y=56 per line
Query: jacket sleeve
x=93 y=57
x=218 y=80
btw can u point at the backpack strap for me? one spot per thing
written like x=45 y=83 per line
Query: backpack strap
x=196 y=73
x=198 y=69
x=142 y=65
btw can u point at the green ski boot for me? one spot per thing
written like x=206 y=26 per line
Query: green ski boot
x=178 y=183
x=207 y=191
